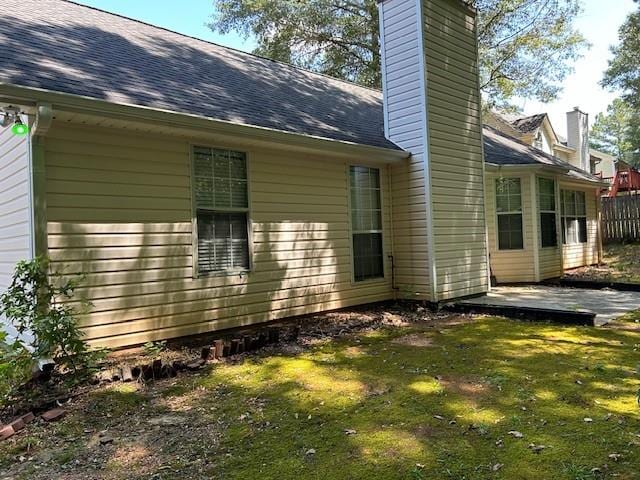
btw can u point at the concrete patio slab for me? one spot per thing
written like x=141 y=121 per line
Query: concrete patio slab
x=606 y=304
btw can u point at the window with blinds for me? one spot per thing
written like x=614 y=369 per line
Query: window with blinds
x=366 y=223
x=222 y=205
x=574 y=217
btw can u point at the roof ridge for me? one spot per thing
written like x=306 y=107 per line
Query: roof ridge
x=233 y=49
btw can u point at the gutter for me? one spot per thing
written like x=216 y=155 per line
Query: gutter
x=30 y=96
x=530 y=167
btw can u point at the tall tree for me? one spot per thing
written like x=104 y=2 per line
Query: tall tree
x=526 y=46
x=623 y=72
x=613 y=132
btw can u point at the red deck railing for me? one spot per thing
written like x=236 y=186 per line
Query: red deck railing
x=627 y=179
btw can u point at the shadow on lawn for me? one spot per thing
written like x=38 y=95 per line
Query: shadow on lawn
x=371 y=407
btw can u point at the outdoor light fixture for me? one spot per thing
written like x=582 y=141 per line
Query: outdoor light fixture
x=11 y=115
x=19 y=128
x=5 y=119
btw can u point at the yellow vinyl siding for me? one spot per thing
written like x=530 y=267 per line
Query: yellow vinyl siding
x=455 y=149
x=579 y=255
x=550 y=261
x=119 y=211
x=511 y=266
x=410 y=230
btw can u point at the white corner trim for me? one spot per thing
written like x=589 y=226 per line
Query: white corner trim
x=431 y=250
x=32 y=203
x=535 y=222
x=385 y=92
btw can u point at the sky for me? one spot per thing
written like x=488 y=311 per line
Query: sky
x=599 y=23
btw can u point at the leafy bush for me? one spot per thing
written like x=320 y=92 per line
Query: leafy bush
x=15 y=366
x=36 y=306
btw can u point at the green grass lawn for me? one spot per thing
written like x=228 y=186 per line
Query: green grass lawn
x=403 y=403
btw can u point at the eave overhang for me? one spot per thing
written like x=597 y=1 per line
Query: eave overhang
x=66 y=106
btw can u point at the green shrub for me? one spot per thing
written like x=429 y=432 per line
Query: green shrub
x=16 y=365
x=34 y=305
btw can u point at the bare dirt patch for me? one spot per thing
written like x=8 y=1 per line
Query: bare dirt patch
x=468 y=387
x=415 y=340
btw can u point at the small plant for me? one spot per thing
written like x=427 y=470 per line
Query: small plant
x=37 y=307
x=580 y=472
x=15 y=366
x=153 y=349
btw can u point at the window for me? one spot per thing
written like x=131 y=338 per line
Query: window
x=547 y=206
x=538 y=141
x=366 y=223
x=222 y=205
x=509 y=209
x=574 y=217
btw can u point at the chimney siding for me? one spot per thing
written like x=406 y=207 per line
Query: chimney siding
x=578 y=137
x=432 y=109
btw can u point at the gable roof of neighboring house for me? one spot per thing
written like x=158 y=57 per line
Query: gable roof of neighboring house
x=529 y=124
x=502 y=150
x=65 y=47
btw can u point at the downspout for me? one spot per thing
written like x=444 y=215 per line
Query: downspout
x=40 y=128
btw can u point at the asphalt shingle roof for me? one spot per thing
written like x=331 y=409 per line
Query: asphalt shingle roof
x=502 y=150
x=528 y=124
x=65 y=47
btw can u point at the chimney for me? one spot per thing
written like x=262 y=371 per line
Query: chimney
x=578 y=137
x=432 y=110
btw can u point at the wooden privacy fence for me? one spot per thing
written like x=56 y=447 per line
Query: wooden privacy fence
x=621 y=219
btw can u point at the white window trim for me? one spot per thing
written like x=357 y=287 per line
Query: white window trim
x=555 y=212
x=521 y=212
x=564 y=218
x=383 y=278
x=194 y=216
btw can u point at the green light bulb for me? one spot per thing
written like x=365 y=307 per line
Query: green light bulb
x=20 y=129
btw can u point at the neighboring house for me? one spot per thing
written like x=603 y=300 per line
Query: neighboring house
x=603 y=165
x=200 y=188
x=537 y=131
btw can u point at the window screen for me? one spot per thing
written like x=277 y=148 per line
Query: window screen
x=366 y=223
x=574 y=217
x=509 y=210
x=547 y=207
x=220 y=191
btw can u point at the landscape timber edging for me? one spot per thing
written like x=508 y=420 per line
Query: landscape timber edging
x=593 y=284
x=565 y=317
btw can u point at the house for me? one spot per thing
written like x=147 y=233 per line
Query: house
x=544 y=211
x=200 y=188
x=579 y=234
x=537 y=131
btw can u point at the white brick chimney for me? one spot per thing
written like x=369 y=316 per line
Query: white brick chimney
x=578 y=137
x=432 y=109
